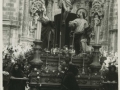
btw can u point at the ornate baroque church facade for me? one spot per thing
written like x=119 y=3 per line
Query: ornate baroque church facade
x=17 y=27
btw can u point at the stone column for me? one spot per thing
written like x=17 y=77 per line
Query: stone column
x=113 y=25
x=105 y=29
x=25 y=18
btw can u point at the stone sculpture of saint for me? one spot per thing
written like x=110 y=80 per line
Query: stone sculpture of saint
x=96 y=20
x=96 y=27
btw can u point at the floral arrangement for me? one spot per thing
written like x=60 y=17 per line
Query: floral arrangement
x=112 y=59
x=18 y=53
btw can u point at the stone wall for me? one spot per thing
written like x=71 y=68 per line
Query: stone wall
x=113 y=26
x=113 y=17
x=10 y=22
x=25 y=18
x=16 y=19
x=6 y=35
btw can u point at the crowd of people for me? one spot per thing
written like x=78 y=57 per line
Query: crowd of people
x=107 y=60
x=15 y=58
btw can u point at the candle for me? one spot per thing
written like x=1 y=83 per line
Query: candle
x=49 y=39
x=98 y=35
x=35 y=34
x=60 y=39
x=38 y=32
x=95 y=28
x=85 y=48
x=73 y=41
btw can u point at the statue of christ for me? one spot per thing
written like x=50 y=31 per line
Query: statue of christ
x=67 y=6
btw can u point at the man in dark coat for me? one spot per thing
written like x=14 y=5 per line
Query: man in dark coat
x=112 y=75
x=7 y=67
x=112 y=79
x=69 y=81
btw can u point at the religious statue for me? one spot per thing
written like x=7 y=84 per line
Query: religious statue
x=97 y=27
x=81 y=30
x=96 y=20
x=67 y=6
x=48 y=34
x=97 y=14
x=38 y=17
x=33 y=24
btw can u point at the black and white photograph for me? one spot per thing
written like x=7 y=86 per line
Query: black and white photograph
x=60 y=45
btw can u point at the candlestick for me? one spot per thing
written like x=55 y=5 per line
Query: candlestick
x=73 y=41
x=36 y=11
x=83 y=68
x=85 y=46
x=60 y=39
x=49 y=39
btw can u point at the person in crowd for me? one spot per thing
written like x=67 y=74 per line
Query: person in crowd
x=5 y=81
x=102 y=59
x=69 y=81
x=111 y=78
x=112 y=75
x=17 y=73
x=7 y=67
x=104 y=69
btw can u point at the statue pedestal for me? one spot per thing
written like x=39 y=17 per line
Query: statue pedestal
x=95 y=65
x=37 y=61
x=36 y=64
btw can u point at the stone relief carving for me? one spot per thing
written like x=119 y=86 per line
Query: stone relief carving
x=37 y=11
x=97 y=13
x=97 y=7
x=37 y=6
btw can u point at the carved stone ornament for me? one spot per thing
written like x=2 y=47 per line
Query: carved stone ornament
x=37 y=6
x=37 y=13
x=97 y=7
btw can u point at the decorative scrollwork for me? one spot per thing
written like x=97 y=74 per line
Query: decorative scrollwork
x=97 y=7
x=37 y=6
x=37 y=13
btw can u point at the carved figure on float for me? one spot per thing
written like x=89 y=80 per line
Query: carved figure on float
x=67 y=5
x=81 y=31
x=97 y=15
